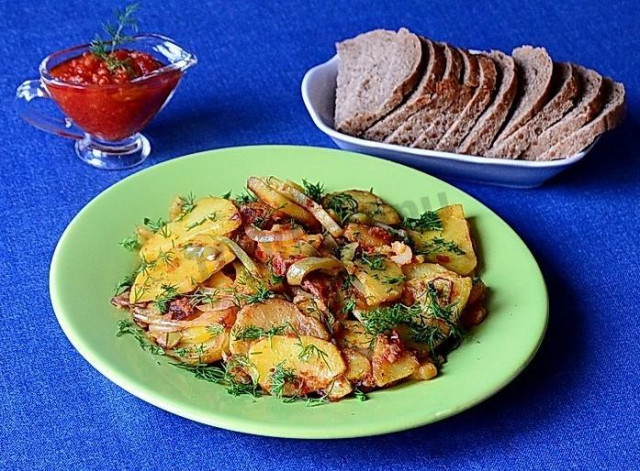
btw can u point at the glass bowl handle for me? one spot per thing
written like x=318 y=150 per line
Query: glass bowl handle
x=31 y=90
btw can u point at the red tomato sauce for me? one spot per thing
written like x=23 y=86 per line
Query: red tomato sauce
x=112 y=103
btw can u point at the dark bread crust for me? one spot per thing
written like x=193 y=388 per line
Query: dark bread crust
x=421 y=97
x=565 y=85
x=362 y=96
x=486 y=127
x=413 y=127
x=454 y=101
x=588 y=106
x=535 y=69
x=612 y=115
x=478 y=103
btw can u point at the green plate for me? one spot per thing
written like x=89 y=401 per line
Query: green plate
x=88 y=262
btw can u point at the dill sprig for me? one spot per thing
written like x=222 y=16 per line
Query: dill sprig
x=155 y=226
x=360 y=395
x=131 y=243
x=438 y=245
x=315 y=191
x=428 y=221
x=253 y=332
x=168 y=294
x=279 y=378
x=126 y=283
x=127 y=327
x=117 y=35
x=187 y=205
x=343 y=205
x=245 y=198
x=375 y=262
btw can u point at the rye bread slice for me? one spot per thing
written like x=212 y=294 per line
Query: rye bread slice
x=413 y=127
x=454 y=102
x=610 y=116
x=535 y=69
x=418 y=99
x=485 y=129
x=588 y=106
x=565 y=88
x=376 y=71
x=478 y=103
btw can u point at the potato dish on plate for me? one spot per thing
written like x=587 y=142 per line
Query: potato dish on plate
x=298 y=293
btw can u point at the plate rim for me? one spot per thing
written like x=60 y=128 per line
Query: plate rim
x=238 y=424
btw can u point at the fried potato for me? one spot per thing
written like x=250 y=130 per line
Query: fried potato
x=450 y=247
x=179 y=270
x=357 y=202
x=381 y=283
x=211 y=216
x=391 y=362
x=269 y=318
x=300 y=365
x=279 y=202
x=358 y=366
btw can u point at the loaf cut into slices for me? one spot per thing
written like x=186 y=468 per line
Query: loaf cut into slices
x=455 y=102
x=565 y=87
x=609 y=117
x=377 y=70
x=421 y=96
x=485 y=129
x=413 y=127
x=535 y=69
x=478 y=103
x=588 y=106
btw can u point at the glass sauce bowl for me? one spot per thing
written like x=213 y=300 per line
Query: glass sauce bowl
x=106 y=120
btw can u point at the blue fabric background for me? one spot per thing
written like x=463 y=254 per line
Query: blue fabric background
x=576 y=406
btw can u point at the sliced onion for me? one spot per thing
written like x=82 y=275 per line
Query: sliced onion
x=244 y=258
x=290 y=191
x=260 y=235
x=301 y=268
x=217 y=305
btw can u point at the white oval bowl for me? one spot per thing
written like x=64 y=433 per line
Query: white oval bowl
x=319 y=91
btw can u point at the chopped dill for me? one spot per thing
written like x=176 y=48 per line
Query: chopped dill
x=128 y=327
x=428 y=221
x=315 y=191
x=131 y=243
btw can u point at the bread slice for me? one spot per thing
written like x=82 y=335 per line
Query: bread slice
x=609 y=117
x=536 y=69
x=487 y=126
x=588 y=106
x=413 y=127
x=377 y=70
x=478 y=103
x=418 y=99
x=565 y=87
x=454 y=101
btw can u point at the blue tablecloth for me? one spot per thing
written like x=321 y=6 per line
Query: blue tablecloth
x=576 y=406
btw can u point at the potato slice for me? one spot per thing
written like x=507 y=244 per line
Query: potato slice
x=452 y=294
x=391 y=362
x=354 y=336
x=451 y=247
x=279 y=202
x=179 y=270
x=358 y=366
x=379 y=282
x=211 y=216
x=452 y=288
x=344 y=204
x=294 y=193
x=200 y=345
x=339 y=388
x=300 y=365
x=426 y=371
x=269 y=318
